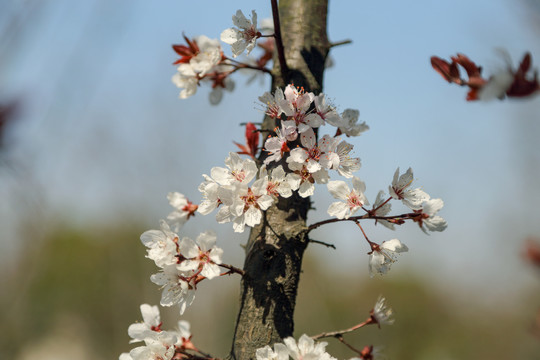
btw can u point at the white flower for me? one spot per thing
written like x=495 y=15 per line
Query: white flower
x=325 y=111
x=203 y=255
x=209 y=189
x=186 y=79
x=161 y=245
x=315 y=156
x=427 y=219
x=384 y=255
x=243 y=204
x=382 y=210
x=208 y=57
x=354 y=199
x=299 y=102
x=159 y=348
x=349 y=126
x=347 y=164
x=184 y=209
x=304 y=180
x=244 y=36
x=279 y=183
x=307 y=349
x=147 y=329
x=276 y=146
x=273 y=104
x=176 y=288
x=381 y=314
x=238 y=170
x=183 y=334
x=399 y=190
x=280 y=352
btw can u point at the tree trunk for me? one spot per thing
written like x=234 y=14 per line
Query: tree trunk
x=275 y=247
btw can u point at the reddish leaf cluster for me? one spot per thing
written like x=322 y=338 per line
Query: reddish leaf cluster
x=186 y=52
x=252 y=141
x=521 y=86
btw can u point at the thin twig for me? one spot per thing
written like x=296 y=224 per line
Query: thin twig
x=339 y=43
x=341 y=332
x=363 y=217
x=233 y=269
x=279 y=41
x=323 y=243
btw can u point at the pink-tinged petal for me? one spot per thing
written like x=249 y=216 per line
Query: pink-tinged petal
x=206 y=240
x=210 y=271
x=338 y=189
x=339 y=209
x=188 y=248
x=394 y=245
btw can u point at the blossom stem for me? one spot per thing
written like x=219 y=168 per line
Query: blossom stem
x=240 y=65
x=340 y=338
x=232 y=269
x=339 y=333
x=279 y=41
x=363 y=217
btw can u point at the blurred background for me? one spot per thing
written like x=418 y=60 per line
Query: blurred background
x=93 y=137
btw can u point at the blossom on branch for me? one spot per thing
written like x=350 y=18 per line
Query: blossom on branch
x=150 y=326
x=427 y=219
x=384 y=255
x=381 y=314
x=353 y=199
x=244 y=36
x=202 y=255
x=184 y=209
x=399 y=190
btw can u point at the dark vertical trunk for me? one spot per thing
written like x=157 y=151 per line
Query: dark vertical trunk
x=275 y=248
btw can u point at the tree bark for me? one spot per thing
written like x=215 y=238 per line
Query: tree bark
x=275 y=247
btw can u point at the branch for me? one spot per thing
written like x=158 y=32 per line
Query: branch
x=339 y=43
x=323 y=243
x=338 y=333
x=362 y=217
x=232 y=270
x=279 y=41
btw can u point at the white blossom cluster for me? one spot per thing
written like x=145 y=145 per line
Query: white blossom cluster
x=306 y=348
x=158 y=344
x=204 y=64
x=183 y=263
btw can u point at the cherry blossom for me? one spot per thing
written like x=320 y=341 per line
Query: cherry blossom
x=381 y=207
x=353 y=199
x=244 y=36
x=202 y=255
x=161 y=245
x=159 y=348
x=384 y=255
x=184 y=209
x=381 y=314
x=307 y=179
x=346 y=164
x=209 y=189
x=237 y=171
x=244 y=204
x=150 y=326
x=349 y=123
x=307 y=348
x=276 y=146
x=186 y=79
x=177 y=288
x=399 y=190
x=279 y=183
x=280 y=352
x=428 y=220
x=327 y=112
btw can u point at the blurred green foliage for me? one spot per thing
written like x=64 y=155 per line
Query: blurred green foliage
x=83 y=287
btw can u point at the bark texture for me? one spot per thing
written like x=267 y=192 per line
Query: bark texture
x=275 y=248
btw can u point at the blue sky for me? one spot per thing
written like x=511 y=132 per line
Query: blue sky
x=103 y=132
